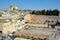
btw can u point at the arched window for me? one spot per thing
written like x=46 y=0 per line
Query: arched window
x=52 y=21
x=48 y=21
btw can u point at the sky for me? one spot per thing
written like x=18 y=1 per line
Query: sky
x=31 y=4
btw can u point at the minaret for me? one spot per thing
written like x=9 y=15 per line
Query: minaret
x=11 y=6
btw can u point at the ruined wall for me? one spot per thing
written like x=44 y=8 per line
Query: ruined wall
x=41 y=19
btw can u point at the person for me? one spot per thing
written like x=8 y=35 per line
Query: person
x=55 y=35
x=11 y=36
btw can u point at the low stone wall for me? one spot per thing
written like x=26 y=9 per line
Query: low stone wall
x=31 y=36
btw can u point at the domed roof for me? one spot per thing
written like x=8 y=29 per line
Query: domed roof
x=15 y=8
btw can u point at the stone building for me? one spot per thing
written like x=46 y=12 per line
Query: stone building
x=10 y=20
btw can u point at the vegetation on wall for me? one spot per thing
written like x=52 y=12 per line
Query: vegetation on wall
x=46 y=12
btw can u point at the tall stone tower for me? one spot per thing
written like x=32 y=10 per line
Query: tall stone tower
x=11 y=6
